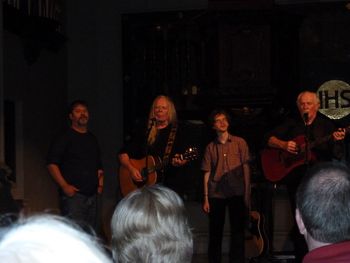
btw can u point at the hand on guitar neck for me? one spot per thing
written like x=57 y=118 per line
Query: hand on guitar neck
x=136 y=173
x=178 y=160
x=181 y=159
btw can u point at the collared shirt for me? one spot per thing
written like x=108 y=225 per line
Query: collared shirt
x=226 y=160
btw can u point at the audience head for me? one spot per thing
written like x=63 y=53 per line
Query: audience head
x=323 y=205
x=150 y=225
x=48 y=238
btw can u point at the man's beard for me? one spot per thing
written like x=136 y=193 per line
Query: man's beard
x=83 y=121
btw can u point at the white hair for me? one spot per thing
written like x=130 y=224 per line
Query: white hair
x=48 y=238
x=316 y=98
x=150 y=225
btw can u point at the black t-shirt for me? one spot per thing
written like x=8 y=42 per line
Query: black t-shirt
x=78 y=157
x=136 y=147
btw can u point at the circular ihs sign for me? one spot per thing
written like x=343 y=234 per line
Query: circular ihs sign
x=334 y=98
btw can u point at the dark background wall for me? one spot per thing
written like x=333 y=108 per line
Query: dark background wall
x=251 y=59
x=38 y=95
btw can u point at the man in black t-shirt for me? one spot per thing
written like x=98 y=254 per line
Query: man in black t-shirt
x=74 y=163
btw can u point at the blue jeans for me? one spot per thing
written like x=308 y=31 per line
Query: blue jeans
x=81 y=209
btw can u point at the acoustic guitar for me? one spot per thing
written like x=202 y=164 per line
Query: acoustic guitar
x=148 y=167
x=277 y=163
x=256 y=228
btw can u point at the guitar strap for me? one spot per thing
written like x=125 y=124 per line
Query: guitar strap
x=169 y=147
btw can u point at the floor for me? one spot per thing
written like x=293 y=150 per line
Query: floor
x=280 y=243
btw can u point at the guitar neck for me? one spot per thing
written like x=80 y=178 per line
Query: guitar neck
x=189 y=155
x=326 y=138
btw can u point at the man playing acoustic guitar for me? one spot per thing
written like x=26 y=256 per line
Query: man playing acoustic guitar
x=297 y=144
x=155 y=155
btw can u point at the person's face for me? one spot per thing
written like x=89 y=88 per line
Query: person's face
x=220 y=123
x=308 y=104
x=79 y=116
x=161 y=110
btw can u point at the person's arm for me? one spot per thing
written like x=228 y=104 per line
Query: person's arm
x=274 y=142
x=289 y=146
x=100 y=176
x=206 y=168
x=134 y=172
x=247 y=184
x=56 y=174
x=100 y=171
x=177 y=161
x=206 y=206
x=338 y=143
x=245 y=162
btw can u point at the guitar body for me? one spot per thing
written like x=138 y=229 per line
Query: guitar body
x=148 y=167
x=277 y=163
x=127 y=184
x=258 y=242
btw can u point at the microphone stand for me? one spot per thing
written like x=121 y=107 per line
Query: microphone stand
x=307 y=139
x=144 y=173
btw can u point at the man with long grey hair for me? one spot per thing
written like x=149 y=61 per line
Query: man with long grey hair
x=150 y=225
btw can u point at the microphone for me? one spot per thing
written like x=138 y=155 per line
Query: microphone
x=306 y=117
x=153 y=121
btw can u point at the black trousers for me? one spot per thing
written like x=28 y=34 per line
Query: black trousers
x=292 y=182
x=237 y=215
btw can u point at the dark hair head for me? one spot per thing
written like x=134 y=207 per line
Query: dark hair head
x=323 y=200
x=214 y=113
x=76 y=103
